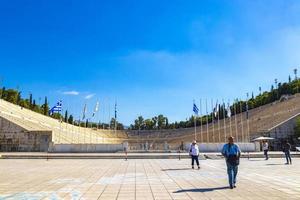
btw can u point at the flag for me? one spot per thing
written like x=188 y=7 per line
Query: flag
x=195 y=109
x=84 y=112
x=57 y=108
x=115 y=110
x=228 y=110
x=96 y=109
x=216 y=109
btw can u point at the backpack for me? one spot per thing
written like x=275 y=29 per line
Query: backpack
x=233 y=159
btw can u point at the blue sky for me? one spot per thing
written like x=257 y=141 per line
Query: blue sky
x=151 y=56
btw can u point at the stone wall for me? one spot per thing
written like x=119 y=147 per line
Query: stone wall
x=16 y=138
x=87 y=148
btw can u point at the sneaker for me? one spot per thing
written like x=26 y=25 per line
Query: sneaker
x=287 y=163
x=192 y=167
x=198 y=167
x=231 y=187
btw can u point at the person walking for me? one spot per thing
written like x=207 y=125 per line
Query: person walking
x=265 y=147
x=232 y=153
x=287 y=152
x=194 y=153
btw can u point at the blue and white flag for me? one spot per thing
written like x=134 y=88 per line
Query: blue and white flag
x=56 y=109
x=195 y=109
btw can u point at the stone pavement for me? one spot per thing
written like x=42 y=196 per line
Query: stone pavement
x=145 y=179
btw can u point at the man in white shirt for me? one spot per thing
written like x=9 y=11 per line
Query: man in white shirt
x=194 y=153
x=265 y=147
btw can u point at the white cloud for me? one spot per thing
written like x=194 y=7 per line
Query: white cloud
x=73 y=92
x=89 y=96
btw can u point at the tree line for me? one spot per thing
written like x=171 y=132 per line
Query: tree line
x=277 y=92
x=15 y=97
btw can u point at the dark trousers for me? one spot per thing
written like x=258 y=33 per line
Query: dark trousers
x=195 y=158
x=266 y=154
x=232 y=171
x=288 y=157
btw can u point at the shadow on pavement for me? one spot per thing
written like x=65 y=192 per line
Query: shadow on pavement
x=202 y=189
x=176 y=169
x=274 y=164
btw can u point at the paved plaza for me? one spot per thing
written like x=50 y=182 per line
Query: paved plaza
x=145 y=179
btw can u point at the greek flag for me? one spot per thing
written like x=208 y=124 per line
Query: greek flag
x=195 y=109
x=56 y=109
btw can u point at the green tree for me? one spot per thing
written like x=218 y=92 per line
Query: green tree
x=66 y=116
x=45 y=107
x=3 y=93
x=30 y=100
x=149 y=124
x=70 y=119
x=19 y=98
x=11 y=96
x=161 y=122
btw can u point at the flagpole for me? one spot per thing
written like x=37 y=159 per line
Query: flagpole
x=79 y=128
x=194 y=105
x=212 y=120
x=219 y=129
x=229 y=117
x=207 y=137
x=241 y=112
x=201 y=131
x=224 y=121
x=235 y=120
x=248 y=127
x=115 y=117
x=109 y=116
x=60 y=124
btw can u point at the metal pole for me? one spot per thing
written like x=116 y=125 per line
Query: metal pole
x=195 y=134
x=248 y=127
x=219 y=129
x=79 y=129
x=116 y=118
x=224 y=120
x=241 y=113
x=229 y=117
x=207 y=137
x=201 y=131
x=212 y=120
x=235 y=120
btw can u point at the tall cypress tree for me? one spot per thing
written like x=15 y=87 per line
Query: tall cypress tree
x=30 y=100
x=45 y=107
x=66 y=116
x=3 y=93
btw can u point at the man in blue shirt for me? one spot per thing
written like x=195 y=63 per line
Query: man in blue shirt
x=232 y=154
